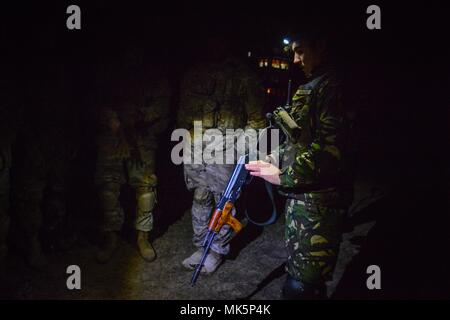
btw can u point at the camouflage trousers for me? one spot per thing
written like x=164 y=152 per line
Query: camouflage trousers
x=208 y=181
x=312 y=234
x=112 y=172
x=5 y=165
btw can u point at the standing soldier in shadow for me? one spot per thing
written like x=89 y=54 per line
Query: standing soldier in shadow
x=46 y=145
x=223 y=93
x=134 y=110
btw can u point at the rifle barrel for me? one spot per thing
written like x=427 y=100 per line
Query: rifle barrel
x=202 y=260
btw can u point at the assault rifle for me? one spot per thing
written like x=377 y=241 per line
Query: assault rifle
x=223 y=212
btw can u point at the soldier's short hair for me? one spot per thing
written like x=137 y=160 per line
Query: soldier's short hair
x=313 y=36
x=317 y=37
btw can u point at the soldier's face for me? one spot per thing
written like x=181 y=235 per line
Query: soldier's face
x=304 y=56
x=298 y=54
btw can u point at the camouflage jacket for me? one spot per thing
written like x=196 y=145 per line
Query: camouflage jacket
x=143 y=110
x=148 y=111
x=321 y=157
x=224 y=96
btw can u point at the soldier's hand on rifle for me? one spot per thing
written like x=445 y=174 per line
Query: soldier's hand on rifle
x=264 y=170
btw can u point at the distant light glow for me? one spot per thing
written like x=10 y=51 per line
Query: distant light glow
x=276 y=63
x=286 y=41
x=264 y=62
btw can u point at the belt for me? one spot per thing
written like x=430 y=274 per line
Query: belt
x=304 y=196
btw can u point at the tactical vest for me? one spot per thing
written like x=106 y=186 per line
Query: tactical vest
x=303 y=111
x=217 y=94
x=305 y=114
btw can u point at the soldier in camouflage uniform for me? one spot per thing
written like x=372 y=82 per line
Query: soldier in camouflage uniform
x=45 y=147
x=315 y=175
x=126 y=150
x=223 y=94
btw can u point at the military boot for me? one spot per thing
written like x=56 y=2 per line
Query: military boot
x=212 y=261
x=145 y=247
x=108 y=247
x=297 y=290
x=35 y=256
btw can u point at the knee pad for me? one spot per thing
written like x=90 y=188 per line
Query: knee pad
x=146 y=201
x=203 y=196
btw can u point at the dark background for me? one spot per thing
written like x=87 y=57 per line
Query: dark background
x=400 y=70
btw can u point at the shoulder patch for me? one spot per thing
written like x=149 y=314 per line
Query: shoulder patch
x=303 y=91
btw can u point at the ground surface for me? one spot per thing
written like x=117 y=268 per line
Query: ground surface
x=254 y=269
x=127 y=276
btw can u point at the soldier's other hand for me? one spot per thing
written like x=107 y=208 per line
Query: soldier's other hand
x=264 y=170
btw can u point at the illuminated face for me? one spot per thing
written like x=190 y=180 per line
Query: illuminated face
x=298 y=53
x=304 y=56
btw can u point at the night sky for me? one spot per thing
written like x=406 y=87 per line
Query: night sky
x=389 y=63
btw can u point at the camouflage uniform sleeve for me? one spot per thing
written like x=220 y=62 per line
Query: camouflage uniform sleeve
x=276 y=154
x=254 y=103
x=318 y=163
